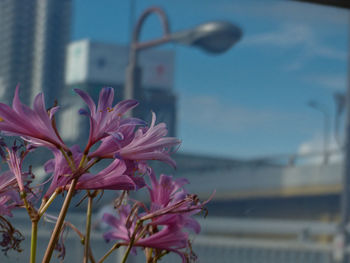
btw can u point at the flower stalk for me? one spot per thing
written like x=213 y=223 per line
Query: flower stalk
x=88 y=228
x=82 y=240
x=69 y=160
x=131 y=243
x=109 y=252
x=43 y=209
x=33 y=243
x=59 y=223
x=34 y=217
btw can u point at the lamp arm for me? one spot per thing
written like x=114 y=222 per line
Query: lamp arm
x=162 y=17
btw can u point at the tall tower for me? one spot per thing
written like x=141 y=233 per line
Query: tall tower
x=52 y=34
x=33 y=38
x=16 y=46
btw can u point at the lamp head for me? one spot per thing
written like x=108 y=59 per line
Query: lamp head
x=213 y=37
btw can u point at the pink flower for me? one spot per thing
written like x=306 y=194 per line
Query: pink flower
x=118 y=134
x=119 y=231
x=112 y=177
x=8 y=182
x=15 y=164
x=14 y=181
x=8 y=201
x=166 y=191
x=106 y=120
x=34 y=126
x=9 y=193
x=171 y=203
x=146 y=144
x=62 y=172
x=169 y=237
x=170 y=212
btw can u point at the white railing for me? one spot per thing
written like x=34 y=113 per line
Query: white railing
x=222 y=240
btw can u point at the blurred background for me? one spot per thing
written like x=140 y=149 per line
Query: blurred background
x=257 y=96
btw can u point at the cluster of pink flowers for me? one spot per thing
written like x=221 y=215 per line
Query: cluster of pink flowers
x=129 y=144
x=159 y=228
x=13 y=182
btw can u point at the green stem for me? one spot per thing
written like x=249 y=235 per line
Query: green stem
x=59 y=223
x=43 y=209
x=70 y=161
x=33 y=241
x=82 y=160
x=148 y=252
x=64 y=209
x=43 y=202
x=116 y=245
x=92 y=259
x=127 y=252
x=88 y=228
x=56 y=232
x=162 y=254
x=82 y=240
x=131 y=243
x=23 y=196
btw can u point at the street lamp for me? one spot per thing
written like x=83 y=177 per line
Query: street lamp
x=340 y=103
x=214 y=37
x=323 y=109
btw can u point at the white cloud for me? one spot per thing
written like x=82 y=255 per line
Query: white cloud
x=302 y=41
x=328 y=52
x=312 y=151
x=287 y=36
x=296 y=35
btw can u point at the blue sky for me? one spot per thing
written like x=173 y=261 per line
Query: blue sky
x=250 y=101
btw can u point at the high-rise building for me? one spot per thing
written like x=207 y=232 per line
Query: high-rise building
x=92 y=66
x=33 y=38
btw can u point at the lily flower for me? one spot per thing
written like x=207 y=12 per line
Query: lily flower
x=170 y=237
x=165 y=191
x=112 y=177
x=160 y=227
x=15 y=164
x=13 y=181
x=9 y=193
x=145 y=144
x=8 y=201
x=171 y=203
x=33 y=125
x=59 y=167
x=105 y=119
x=8 y=182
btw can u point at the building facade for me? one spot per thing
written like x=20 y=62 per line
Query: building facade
x=33 y=38
x=92 y=66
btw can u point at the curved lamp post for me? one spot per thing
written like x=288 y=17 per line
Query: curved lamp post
x=213 y=37
x=340 y=103
x=326 y=132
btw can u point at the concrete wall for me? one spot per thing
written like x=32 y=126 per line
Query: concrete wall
x=266 y=181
